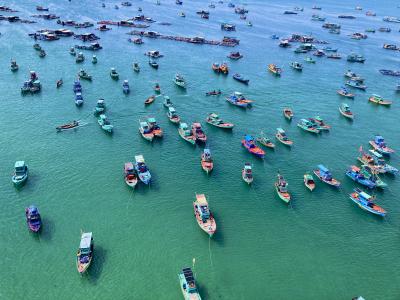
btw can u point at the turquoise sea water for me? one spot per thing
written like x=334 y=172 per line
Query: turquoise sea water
x=321 y=246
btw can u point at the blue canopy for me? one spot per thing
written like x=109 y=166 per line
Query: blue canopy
x=322 y=168
x=248 y=138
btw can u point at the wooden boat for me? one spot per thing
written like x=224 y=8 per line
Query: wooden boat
x=345 y=93
x=238 y=99
x=136 y=67
x=354 y=173
x=167 y=102
x=150 y=100
x=274 y=69
x=85 y=252
x=282 y=137
x=180 y=81
x=379 y=100
x=105 y=123
x=157 y=88
x=130 y=174
x=146 y=131
x=203 y=215
x=309 y=181
x=281 y=189
x=214 y=93
x=288 y=113
x=308 y=126
x=334 y=56
x=42 y=53
x=186 y=277
x=71 y=125
x=220 y=68
x=356 y=84
x=249 y=143
x=33 y=219
x=379 y=145
x=125 y=87
x=198 y=133
x=240 y=78
x=142 y=170
x=325 y=175
x=21 y=173
x=100 y=107
x=353 y=76
x=215 y=120
x=83 y=75
x=296 y=65
x=263 y=140
x=14 y=67
x=153 y=64
x=309 y=60
x=372 y=175
x=207 y=161
x=365 y=202
x=247 y=173
x=345 y=111
x=172 y=115
x=78 y=99
x=114 y=74
x=154 y=127
x=80 y=58
x=320 y=123
x=235 y=55
x=186 y=133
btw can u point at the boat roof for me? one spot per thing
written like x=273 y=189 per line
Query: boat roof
x=171 y=109
x=377 y=154
x=86 y=239
x=188 y=273
x=151 y=120
x=143 y=124
x=214 y=115
x=128 y=166
x=139 y=158
x=183 y=125
x=201 y=198
x=247 y=167
x=237 y=93
x=304 y=121
x=365 y=195
x=323 y=168
x=19 y=164
x=379 y=137
x=207 y=151
x=280 y=130
x=100 y=101
x=33 y=209
x=355 y=168
x=248 y=138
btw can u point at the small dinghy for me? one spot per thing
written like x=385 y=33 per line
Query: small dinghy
x=131 y=178
x=68 y=126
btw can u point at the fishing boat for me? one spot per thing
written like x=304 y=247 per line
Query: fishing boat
x=167 y=102
x=263 y=140
x=142 y=170
x=345 y=93
x=77 y=87
x=281 y=189
x=83 y=75
x=356 y=84
x=274 y=69
x=85 y=252
x=309 y=181
x=136 y=67
x=296 y=65
x=80 y=58
x=154 y=127
x=330 y=49
x=105 y=123
x=288 y=113
x=249 y=143
x=375 y=162
x=282 y=137
x=366 y=202
x=100 y=107
x=240 y=78
x=150 y=100
x=14 y=67
x=198 y=133
x=72 y=51
x=125 y=86
x=238 y=99
x=325 y=175
x=372 y=175
x=215 y=120
x=59 y=83
x=173 y=116
x=42 y=53
x=20 y=175
x=78 y=99
x=33 y=219
x=220 y=68
x=32 y=85
x=355 y=174
x=203 y=215
x=379 y=145
x=353 y=57
x=73 y=124
x=114 y=74
x=247 y=173
x=157 y=88
x=153 y=64
x=308 y=126
x=319 y=53
x=345 y=111
x=180 y=81
x=379 y=100
x=207 y=163
x=130 y=174
x=186 y=277
x=309 y=60
x=235 y=55
x=217 y=93
x=334 y=56
x=186 y=133
x=146 y=131
x=94 y=59
x=320 y=123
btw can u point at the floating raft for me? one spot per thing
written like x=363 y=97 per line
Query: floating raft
x=226 y=41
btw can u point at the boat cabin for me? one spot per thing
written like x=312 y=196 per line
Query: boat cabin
x=202 y=207
x=379 y=140
x=324 y=172
x=171 y=111
x=85 y=244
x=189 y=284
x=145 y=127
x=20 y=168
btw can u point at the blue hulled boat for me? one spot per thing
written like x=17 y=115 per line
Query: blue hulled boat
x=142 y=170
x=33 y=219
x=365 y=202
x=354 y=173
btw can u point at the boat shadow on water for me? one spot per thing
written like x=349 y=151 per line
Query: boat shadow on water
x=47 y=230
x=96 y=269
